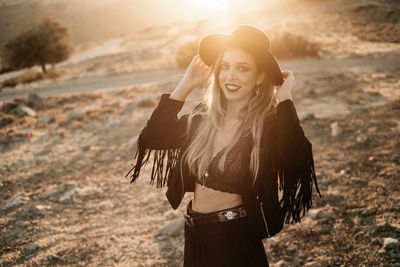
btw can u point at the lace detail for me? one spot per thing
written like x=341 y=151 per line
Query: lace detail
x=235 y=168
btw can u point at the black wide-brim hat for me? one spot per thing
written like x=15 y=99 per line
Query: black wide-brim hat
x=248 y=37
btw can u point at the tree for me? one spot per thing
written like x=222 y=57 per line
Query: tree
x=42 y=44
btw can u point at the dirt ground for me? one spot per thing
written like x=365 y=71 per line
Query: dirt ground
x=65 y=200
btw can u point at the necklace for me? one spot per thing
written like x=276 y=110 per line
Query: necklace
x=204 y=179
x=231 y=122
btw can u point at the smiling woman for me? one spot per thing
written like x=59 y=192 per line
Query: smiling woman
x=241 y=151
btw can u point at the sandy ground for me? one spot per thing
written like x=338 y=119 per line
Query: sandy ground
x=65 y=200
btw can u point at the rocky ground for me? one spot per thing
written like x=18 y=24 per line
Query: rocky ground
x=65 y=201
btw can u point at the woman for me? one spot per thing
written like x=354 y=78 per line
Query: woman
x=241 y=150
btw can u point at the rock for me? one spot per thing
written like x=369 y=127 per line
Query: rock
x=361 y=211
x=335 y=129
x=20 y=224
x=16 y=200
x=334 y=199
x=10 y=236
x=51 y=257
x=170 y=214
x=42 y=139
x=366 y=229
x=29 y=212
x=34 y=100
x=173 y=228
x=46 y=118
x=318 y=214
x=361 y=139
x=272 y=242
x=22 y=111
x=132 y=144
x=113 y=124
x=359 y=181
x=390 y=243
x=9 y=107
x=30 y=248
x=75 y=114
x=69 y=191
x=292 y=249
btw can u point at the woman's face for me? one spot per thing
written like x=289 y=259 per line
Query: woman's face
x=238 y=74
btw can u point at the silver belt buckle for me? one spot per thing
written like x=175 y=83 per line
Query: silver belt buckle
x=229 y=215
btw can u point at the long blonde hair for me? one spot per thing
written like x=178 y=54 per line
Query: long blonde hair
x=260 y=106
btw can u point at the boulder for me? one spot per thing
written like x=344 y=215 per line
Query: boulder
x=30 y=248
x=34 y=100
x=23 y=110
x=16 y=200
x=391 y=243
x=173 y=228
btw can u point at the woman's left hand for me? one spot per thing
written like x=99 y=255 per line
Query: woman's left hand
x=284 y=91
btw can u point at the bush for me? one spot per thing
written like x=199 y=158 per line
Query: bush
x=43 y=44
x=185 y=54
x=288 y=45
x=33 y=76
x=30 y=76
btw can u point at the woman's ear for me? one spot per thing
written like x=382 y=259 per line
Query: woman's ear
x=261 y=77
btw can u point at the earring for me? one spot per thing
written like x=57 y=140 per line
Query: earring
x=257 y=89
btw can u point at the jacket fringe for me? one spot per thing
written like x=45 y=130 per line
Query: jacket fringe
x=297 y=188
x=160 y=170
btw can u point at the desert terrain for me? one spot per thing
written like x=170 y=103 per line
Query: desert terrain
x=66 y=145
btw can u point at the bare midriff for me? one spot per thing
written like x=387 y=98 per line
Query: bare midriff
x=208 y=200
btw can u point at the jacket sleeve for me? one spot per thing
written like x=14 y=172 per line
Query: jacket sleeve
x=295 y=163
x=163 y=134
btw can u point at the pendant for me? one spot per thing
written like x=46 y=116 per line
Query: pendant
x=204 y=180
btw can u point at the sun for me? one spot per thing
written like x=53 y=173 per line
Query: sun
x=212 y=4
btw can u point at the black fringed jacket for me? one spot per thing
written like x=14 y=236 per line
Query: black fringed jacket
x=286 y=155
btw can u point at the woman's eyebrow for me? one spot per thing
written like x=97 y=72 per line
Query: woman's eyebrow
x=239 y=63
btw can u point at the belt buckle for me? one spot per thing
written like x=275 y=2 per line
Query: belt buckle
x=189 y=219
x=229 y=215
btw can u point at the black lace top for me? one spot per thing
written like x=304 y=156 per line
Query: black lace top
x=236 y=167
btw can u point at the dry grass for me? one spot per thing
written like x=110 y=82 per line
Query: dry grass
x=288 y=45
x=185 y=54
x=33 y=76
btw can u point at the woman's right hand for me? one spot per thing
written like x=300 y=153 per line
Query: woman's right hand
x=197 y=73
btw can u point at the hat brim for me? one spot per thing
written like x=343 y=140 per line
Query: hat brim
x=210 y=46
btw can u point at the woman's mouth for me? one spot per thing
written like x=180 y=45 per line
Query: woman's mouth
x=232 y=87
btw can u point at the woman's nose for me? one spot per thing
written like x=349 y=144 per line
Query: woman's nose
x=231 y=75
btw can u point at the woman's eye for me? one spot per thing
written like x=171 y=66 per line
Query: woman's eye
x=242 y=69
x=223 y=67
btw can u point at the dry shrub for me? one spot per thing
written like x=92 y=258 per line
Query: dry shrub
x=33 y=76
x=54 y=73
x=288 y=45
x=30 y=76
x=185 y=54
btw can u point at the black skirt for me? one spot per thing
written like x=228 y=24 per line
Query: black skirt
x=219 y=244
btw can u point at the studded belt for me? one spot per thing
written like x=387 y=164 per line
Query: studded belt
x=213 y=217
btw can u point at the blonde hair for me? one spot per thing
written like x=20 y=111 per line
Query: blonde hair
x=260 y=106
